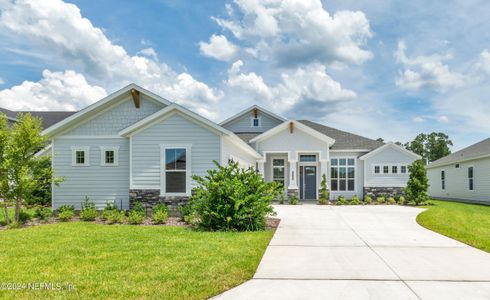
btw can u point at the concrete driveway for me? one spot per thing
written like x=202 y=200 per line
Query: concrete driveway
x=363 y=252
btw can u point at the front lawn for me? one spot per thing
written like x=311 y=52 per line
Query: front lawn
x=468 y=223
x=122 y=262
x=11 y=211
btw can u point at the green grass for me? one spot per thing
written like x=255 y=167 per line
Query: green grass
x=30 y=211
x=468 y=223
x=127 y=262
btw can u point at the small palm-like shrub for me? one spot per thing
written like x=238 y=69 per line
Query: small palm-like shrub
x=401 y=200
x=66 y=213
x=368 y=199
x=380 y=200
x=340 y=200
x=43 y=213
x=231 y=198
x=355 y=200
x=418 y=183
x=88 y=211
x=160 y=214
x=391 y=200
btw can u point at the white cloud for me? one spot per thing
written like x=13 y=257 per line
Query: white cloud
x=59 y=29
x=429 y=72
x=418 y=119
x=443 y=119
x=149 y=52
x=55 y=91
x=293 y=33
x=2 y=81
x=483 y=63
x=218 y=48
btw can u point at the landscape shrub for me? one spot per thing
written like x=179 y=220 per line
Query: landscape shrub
x=341 y=200
x=401 y=200
x=380 y=200
x=63 y=208
x=43 y=213
x=231 y=198
x=109 y=209
x=114 y=216
x=293 y=200
x=418 y=183
x=66 y=215
x=355 y=200
x=324 y=194
x=391 y=200
x=136 y=217
x=24 y=217
x=368 y=199
x=88 y=211
x=159 y=214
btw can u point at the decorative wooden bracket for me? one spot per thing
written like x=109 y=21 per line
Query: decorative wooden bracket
x=256 y=112
x=291 y=127
x=136 y=97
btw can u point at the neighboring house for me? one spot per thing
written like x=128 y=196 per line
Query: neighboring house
x=48 y=118
x=134 y=145
x=462 y=175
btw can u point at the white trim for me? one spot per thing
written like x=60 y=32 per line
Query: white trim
x=188 y=156
x=131 y=163
x=249 y=109
x=103 y=149
x=350 y=150
x=297 y=125
x=468 y=178
x=252 y=122
x=434 y=165
x=53 y=174
x=393 y=146
x=91 y=137
x=283 y=166
x=346 y=174
x=390 y=169
x=52 y=130
x=86 y=150
x=43 y=152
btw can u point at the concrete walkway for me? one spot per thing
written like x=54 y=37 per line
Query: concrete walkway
x=363 y=252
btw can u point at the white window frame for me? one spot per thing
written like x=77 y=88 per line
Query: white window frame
x=252 y=122
x=406 y=169
x=443 y=180
x=383 y=169
x=188 y=156
x=279 y=167
x=472 y=178
x=74 y=150
x=397 y=169
x=346 y=174
x=103 y=150
x=374 y=169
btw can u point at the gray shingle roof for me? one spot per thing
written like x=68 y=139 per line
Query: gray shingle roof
x=50 y=118
x=10 y=114
x=344 y=140
x=473 y=151
x=247 y=136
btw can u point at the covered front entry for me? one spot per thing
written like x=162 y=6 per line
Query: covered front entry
x=307 y=182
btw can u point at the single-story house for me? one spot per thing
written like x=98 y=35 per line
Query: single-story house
x=462 y=175
x=134 y=145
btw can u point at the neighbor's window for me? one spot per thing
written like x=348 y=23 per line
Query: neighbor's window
x=175 y=170
x=255 y=122
x=470 y=178
x=443 y=179
x=403 y=169
x=394 y=169
x=278 y=170
x=377 y=169
x=109 y=156
x=80 y=156
x=386 y=169
x=342 y=174
x=307 y=158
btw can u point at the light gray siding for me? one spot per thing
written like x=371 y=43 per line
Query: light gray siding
x=232 y=151
x=121 y=116
x=174 y=130
x=359 y=175
x=457 y=181
x=244 y=123
x=100 y=183
x=388 y=156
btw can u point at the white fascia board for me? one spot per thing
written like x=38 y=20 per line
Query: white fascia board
x=249 y=109
x=244 y=146
x=52 y=130
x=273 y=131
x=393 y=146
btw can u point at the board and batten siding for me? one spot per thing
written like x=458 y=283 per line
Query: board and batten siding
x=244 y=123
x=174 y=130
x=231 y=151
x=99 y=183
x=359 y=175
x=118 y=117
x=388 y=156
x=457 y=186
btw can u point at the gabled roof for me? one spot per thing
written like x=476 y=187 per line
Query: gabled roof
x=11 y=115
x=50 y=118
x=100 y=105
x=478 y=150
x=247 y=136
x=296 y=124
x=344 y=140
x=393 y=146
x=245 y=111
x=159 y=115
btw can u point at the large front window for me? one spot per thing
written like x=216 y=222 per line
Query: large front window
x=342 y=174
x=175 y=170
x=278 y=170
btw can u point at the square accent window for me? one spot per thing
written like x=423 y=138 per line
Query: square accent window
x=255 y=122
x=386 y=169
x=394 y=169
x=403 y=169
x=176 y=170
x=80 y=156
x=377 y=169
x=109 y=156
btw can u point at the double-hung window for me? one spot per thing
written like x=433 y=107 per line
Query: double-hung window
x=403 y=169
x=443 y=179
x=470 y=178
x=386 y=169
x=176 y=169
x=278 y=171
x=377 y=169
x=109 y=156
x=342 y=174
x=80 y=156
x=394 y=169
x=256 y=122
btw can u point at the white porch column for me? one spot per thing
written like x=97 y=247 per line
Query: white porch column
x=293 y=176
x=260 y=167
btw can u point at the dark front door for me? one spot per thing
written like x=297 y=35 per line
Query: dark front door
x=307 y=182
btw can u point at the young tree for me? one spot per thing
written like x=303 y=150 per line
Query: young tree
x=21 y=164
x=324 y=195
x=430 y=146
x=4 y=186
x=418 y=183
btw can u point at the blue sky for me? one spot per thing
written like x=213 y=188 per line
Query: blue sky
x=388 y=69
